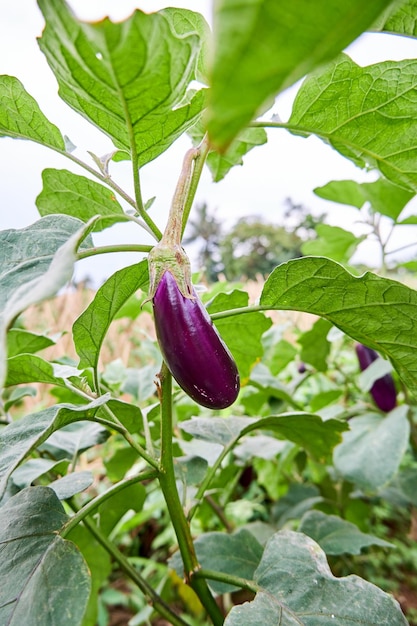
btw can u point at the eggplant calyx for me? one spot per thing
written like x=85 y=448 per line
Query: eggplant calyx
x=174 y=259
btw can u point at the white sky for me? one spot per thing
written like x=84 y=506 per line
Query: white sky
x=287 y=166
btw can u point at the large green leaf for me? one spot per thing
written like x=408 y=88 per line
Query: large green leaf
x=297 y=588
x=382 y=195
x=367 y=113
x=242 y=336
x=262 y=47
x=238 y=554
x=129 y=78
x=21 y=117
x=35 y=262
x=373 y=448
x=45 y=581
x=19 y=438
x=378 y=312
x=90 y=328
x=337 y=536
x=71 y=194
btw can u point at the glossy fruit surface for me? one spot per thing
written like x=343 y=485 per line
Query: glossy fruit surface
x=192 y=348
x=383 y=390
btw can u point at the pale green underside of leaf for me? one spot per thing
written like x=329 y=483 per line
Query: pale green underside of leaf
x=382 y=195
x=308 y=431
x=91 y=327
x=368 y=114
x=262 y=47
x=297 y=588
x=77 y=196
x=35 y=262
x=21 y=117
x=129 y=78
x=372 y=450
x=379 y=312
x=336 y=535
x=18 y=439
x=44 y=578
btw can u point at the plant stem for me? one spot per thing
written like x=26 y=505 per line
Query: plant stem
x=162 y=608
x=199 y=160
x=173 y=231
x=117 y=248
x=240 y=311
x=169 y=489
x=229 y=579
x=94 y=503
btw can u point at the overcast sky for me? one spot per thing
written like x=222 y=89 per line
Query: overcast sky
x=287 y=166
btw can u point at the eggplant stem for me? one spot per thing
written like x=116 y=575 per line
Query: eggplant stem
x=172 y=499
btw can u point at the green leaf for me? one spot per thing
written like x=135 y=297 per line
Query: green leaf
x=74 y=438
x=113 y=509
x=71 y=484
x=262 y=47
x=238 y=554
x=365 y=113
x=281 y=354
x=21 y=117
x=30 y=368
x=120 y=77
x=296 y=587
x=383 y=197
x=333 y=242
x=378 y=312
x=373 y=448
x=91 y=327
x=71 y=194
x=33 y=469
x=337 y=536
x=242 y=334
x=216 y=429
x=20 y=438
x=309 y=431
x=35 y=262
x=314 y=345
x=44 y=578
x=21 y=341
x=99 y=565
x=220 y=164
x=190 y=470
x=401 y=20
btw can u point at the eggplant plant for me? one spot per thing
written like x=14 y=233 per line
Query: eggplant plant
x=215 y=471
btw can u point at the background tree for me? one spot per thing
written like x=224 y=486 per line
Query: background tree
x=255 y=247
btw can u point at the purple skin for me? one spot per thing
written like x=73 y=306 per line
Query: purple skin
x=383 y=390
x=195 y=354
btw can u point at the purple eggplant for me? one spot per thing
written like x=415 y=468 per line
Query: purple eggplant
x=383 y=390
x=193 y=350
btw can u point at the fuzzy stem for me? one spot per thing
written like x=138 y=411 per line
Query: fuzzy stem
x=170 y=491
x=173 y=231
x=83 y=254
x=229 y=579
x=199 y=161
